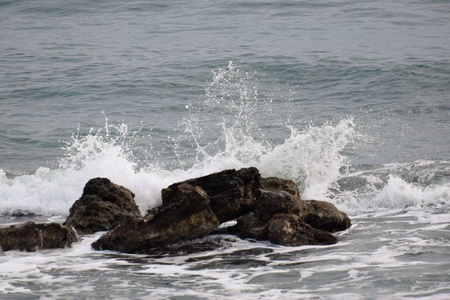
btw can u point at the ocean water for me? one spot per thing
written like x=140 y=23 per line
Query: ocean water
x=350 y=99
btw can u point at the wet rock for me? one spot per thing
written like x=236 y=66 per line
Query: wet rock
x=188 y=218
x=324 y=215
x=102 y=206
x=283 y=218
x=278 y=184
x=282 y=229
x=269 y=203
x=274 y=202
x=250 y=226
x=290 y=230
x=232 y=193
x=33 y=237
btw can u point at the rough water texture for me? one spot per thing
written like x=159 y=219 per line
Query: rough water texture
x=348 y=99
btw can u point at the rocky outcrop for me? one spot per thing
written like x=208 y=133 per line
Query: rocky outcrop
x=102 y=206
x=265 y=209
x=232 y=193
x=189 y=217
x=33 y=237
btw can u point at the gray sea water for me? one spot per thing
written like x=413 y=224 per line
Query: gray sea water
x=350 y=99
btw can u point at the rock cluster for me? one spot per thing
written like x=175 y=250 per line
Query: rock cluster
x=265 y=209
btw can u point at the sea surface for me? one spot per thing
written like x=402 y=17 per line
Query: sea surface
x=350 y=99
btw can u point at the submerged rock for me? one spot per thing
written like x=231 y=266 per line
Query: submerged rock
x=232 y=193
x=187 y=218
x=33 y=237
x=102 y=206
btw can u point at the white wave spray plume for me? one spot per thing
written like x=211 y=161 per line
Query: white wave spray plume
x=232 y=116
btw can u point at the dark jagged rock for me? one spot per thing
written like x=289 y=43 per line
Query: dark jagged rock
x=232 y=193
x=255 y=225
x=278 y=184
x=274 y=202
x=33 y=237
x=290 y=230
x=188 y=218
x=324 y=215
x=250 y=226
x=102 y=206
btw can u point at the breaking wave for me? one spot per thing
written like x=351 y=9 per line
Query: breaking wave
x=224 y=130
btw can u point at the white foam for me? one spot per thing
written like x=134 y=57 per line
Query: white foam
x=399 y=194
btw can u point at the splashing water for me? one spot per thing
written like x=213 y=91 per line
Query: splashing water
x=102 y=153
x=222 y=127
x=231 y=114
x=95 y=148
x=220 y=132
